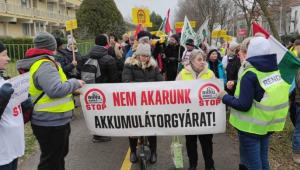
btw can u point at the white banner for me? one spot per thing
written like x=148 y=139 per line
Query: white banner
x=154 y=108
x=20 y=84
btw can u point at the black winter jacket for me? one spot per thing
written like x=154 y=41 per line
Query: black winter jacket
x=65 y=58
x=107 y=63
x=134 y=72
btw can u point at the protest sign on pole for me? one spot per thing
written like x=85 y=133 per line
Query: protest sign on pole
x=156 y=108
x=141 y=16
x=70 y=26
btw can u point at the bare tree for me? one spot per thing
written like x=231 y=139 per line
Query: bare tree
x=249 y=8
x=264 y=6
x=199 y=10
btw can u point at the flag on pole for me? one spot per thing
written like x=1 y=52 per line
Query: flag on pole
x=288 y=64
x=187 y=32
x=167 y=24
x=202 y=33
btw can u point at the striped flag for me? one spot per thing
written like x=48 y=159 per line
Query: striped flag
x=288 y=63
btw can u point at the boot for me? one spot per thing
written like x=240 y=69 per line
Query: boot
x=97 y=139
x=242 y=167
x=153 y=158
x=133 y=157
x=192 y=168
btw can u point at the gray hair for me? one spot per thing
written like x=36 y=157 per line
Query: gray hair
x=245 y=44
x=196 y=53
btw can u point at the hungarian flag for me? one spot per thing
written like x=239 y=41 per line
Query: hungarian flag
x=288 y=64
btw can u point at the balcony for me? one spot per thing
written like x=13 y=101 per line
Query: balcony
x=74 y=2
x=18 y=11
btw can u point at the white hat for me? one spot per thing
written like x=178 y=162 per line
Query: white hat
x=258 y=46
x=143 y=49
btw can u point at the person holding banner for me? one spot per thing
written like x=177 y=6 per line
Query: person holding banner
x=259 y=106
x=12 y=140
x=141 y=67
x=65 y=58
x=198 y=69
x=53 y=111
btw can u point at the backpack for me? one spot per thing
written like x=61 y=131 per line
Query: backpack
x=90 y=71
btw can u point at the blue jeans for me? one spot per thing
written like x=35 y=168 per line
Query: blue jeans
x=296 y=134
x=254 y=151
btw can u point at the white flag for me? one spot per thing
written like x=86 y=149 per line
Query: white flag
x=187 y=32
x=202 y=33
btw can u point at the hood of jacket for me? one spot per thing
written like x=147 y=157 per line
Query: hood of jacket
x=190 y=70
x=264 y=63
x=31 y=56
x=65 y=52
x=98 y=52
x=133 y=61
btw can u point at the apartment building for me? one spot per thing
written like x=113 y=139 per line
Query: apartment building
x=25 y=18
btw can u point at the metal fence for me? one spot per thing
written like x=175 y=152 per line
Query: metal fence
x=17 y=52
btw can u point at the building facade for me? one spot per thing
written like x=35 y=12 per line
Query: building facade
x=25 y=18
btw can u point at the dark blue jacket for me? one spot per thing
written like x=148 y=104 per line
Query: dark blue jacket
x=250 y=88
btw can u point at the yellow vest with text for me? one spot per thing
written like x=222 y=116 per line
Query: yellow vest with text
x=270 y=113
x=186 y=75
x=47 y=104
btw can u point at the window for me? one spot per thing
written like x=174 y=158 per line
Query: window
x=25 y=3
x=26 y=29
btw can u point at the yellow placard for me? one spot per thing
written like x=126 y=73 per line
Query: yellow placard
x=71 y=24
x=180 y=24
x=227 y=38
x=141 y=16
x=218 y=33
x=162 y=36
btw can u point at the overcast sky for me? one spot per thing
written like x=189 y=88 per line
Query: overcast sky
x=158 y=6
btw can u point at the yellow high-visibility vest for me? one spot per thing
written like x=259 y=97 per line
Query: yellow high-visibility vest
x=270 y=113
x=47 y=104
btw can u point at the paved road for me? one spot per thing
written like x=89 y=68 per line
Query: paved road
x=85 y=155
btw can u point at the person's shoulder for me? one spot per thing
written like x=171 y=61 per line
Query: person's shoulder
x=249 y=76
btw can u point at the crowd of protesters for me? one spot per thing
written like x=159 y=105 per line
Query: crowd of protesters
x=56 y=78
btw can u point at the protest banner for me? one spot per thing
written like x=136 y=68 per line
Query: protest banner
x=20 y=84
x=154 y=108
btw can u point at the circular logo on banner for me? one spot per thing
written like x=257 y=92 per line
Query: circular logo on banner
x=208 y=94
x=95 y=100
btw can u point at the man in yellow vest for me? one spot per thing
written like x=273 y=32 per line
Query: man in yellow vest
x=259 y=105
x=54 y=107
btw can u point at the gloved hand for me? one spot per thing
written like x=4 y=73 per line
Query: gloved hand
x=27 y=104
x=6 y=91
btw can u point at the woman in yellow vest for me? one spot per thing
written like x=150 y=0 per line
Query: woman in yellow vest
x=259 y=105
x=198 y=69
